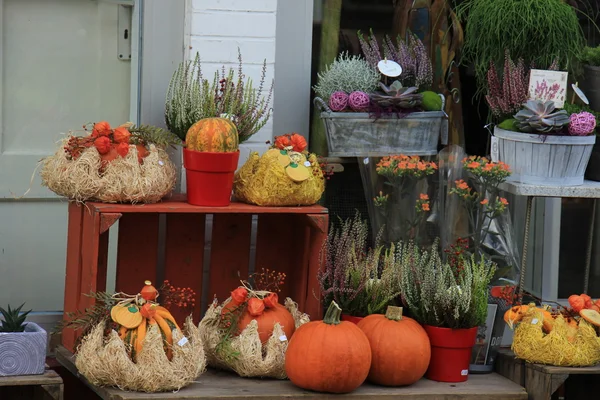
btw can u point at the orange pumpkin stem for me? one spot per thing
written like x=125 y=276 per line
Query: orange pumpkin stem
x=394 y=313
x=333 y=314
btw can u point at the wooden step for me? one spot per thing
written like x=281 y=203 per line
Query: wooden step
x=219 y=385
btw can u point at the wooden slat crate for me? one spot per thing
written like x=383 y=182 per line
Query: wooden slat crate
x=167 y=241
x=47 y=386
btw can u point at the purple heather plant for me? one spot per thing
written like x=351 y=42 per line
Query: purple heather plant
x=411 y=54
x=508 y=98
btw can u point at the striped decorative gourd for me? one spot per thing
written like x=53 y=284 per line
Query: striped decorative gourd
x=213 y=135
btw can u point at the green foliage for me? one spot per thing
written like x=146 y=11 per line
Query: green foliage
x=509 y=125
x=13 y=319
x=438 y=296
x=191 y=98
x=431 y=101
x=348 y=74
x=146 y=134
x=540 y=32
x=591 y=56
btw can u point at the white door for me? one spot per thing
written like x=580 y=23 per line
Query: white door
x=63 y=63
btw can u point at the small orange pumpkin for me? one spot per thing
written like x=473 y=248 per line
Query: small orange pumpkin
x=149 y=292
x=128 y=316
x=400 y=348
x=266 y=320
x=591 y=316
x=330 y=356
x=213 y=135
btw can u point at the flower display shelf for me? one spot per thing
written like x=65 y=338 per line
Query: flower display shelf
x=48 y=385
x=543 y=381
x=351 y=134
x=216 y=385
x=543 y=159
x=167 y=241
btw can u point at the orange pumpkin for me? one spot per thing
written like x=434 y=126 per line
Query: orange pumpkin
x=515 y=314
x=148 y=292
x=329 y=356
x=400 y=348
x=266 y=320
x=213 y=135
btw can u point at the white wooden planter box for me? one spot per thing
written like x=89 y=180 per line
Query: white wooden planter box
x=543 y=159
x=23 y=353
x=352 y=134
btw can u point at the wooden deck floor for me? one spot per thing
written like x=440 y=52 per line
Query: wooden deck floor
x=218 y=385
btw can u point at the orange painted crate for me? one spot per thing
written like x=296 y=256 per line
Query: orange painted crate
x=288 y=239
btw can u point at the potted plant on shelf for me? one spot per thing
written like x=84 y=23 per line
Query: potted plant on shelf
x=543 y=145
x=363 y=281
x=22 y=344
x=590 y=58
x=363 y=112
x=450 y=301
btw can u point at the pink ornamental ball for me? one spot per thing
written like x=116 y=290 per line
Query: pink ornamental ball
x=338 y=101
x=582 y=124
x=359 y=101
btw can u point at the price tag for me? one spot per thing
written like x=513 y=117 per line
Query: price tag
x=283 y=338
x=534 y=321
x=160 y=162
x=307 y=164
x=183 y=341
x=389 y=68
x=366 y=161
x=464 y=372
x=494 y=149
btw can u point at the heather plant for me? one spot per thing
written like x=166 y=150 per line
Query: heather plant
x=362 y=281
x=507 y=98
x=347 y=74
x=411 y=54
x=191 y=97
x=437 y=295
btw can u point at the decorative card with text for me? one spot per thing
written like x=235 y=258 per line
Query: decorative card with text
x=548 y=85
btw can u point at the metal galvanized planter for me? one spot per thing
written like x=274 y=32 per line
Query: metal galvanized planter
x=351 y=134
x=543 y=159
x=23 y=353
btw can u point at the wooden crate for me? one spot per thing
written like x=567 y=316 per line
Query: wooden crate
x=543 y=381
x=47 y=386
x=167 y=241
x=219 y=385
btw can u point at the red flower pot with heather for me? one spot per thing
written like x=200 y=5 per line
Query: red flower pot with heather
x=210 y=158
x=450 y=301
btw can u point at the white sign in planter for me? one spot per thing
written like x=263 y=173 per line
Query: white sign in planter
x=539 y=159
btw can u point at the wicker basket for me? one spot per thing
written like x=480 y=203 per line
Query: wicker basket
x=352 y=134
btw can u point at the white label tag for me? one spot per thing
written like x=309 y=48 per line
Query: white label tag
x=494 y=149
x=183 y=341
x=534 y=321
x=389 y=68
x=161 y=163
x=307 y=163
x=366 y=161
x=464 y=372
x=283 y=338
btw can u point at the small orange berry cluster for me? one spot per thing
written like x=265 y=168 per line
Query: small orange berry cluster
x=177 y=296
x=268 y=280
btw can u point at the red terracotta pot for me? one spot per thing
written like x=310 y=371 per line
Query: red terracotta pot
x=450 y=353
x=209 y=177
x=350 y=318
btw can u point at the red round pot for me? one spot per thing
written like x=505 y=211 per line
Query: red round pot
x=450 y=353
x=350 y=318
x=209 y=177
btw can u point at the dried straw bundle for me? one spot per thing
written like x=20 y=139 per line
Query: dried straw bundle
x=253 y=359
x=106 y=363
x=264 y=182
x=564 y=346
x=124 y=180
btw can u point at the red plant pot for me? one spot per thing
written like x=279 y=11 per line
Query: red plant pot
x=450 y=353
x=350 y=318
x=209 y=177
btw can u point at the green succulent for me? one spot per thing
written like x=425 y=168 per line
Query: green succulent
x=397 y=95
x=540 y=116
x=13 y=319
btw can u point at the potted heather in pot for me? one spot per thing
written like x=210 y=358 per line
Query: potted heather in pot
x=366 y=101
x=543 y=144
x=363 y=281
x=449 y=302
x=22 y=344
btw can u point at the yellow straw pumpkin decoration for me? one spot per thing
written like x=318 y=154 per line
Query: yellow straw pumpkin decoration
x=134 y=316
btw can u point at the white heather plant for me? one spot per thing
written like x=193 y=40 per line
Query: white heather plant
x=348 y=74
x=438 y=295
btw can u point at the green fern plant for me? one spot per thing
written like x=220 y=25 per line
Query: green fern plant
x=191 y=97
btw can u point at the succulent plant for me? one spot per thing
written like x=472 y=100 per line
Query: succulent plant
x=540 y=116
x=13 y=319
x=396 y=95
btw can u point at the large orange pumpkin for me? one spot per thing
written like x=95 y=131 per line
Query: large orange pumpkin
x=329 y=356
x=212 y=135
x=266 y=321
x=400 y=348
